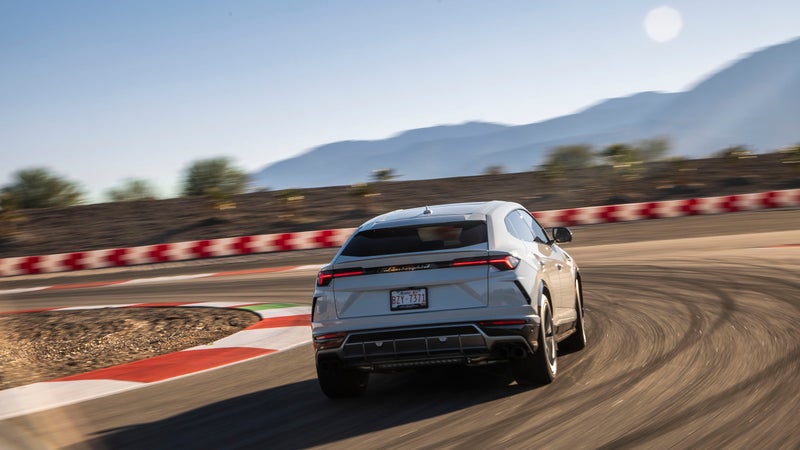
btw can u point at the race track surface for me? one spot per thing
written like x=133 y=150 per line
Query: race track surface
x=693 y=343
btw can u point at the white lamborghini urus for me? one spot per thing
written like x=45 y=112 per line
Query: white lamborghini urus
x=457 y=284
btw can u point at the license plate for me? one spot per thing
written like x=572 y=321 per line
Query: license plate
x=409 y=298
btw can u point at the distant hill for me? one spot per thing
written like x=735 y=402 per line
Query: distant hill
x=755 y=102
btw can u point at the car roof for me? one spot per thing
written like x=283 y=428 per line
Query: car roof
x=451 y=212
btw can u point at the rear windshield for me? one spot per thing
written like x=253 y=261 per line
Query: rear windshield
x=420 y=238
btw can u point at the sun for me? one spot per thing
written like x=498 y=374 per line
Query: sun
x=663 y=24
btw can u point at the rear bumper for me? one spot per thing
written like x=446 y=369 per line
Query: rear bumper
x=388 y=349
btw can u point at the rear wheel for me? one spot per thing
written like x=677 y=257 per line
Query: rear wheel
x=339 y=382
x=577 y=340
x=540 y=367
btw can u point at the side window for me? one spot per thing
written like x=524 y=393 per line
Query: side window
x=538 y=231
x=515 y=223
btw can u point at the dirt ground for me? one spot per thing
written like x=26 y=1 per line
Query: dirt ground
x=46 y=345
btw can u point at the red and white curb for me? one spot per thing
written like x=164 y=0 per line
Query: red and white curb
x=243 y=245
x=282 y=326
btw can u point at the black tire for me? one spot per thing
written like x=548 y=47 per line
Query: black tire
x=338 y=382
x=577 y=340
x=541 y=366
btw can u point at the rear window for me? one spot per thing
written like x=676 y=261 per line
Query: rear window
x=419 y=238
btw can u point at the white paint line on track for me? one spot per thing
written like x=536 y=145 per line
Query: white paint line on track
x=165 y=279
x=282 y=312
x=22 y=290
x=217 y=304
x=53 y=394
x=308 y=267
x=266 y=338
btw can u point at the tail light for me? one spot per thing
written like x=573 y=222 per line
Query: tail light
x=506 y=262
x=499 y=262
x=330 y=340
x=325 y=277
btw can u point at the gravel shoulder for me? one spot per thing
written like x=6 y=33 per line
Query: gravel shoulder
x=43 y=346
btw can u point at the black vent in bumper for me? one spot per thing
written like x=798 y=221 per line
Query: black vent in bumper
x=425 y=343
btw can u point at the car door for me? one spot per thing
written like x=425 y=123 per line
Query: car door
x=538 y=251
x=562 y=269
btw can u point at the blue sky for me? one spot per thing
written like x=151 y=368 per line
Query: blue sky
x=101 y=91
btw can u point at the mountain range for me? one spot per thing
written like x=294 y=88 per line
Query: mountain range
x=754 y=102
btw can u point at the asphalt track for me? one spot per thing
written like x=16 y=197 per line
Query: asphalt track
x=694 y=343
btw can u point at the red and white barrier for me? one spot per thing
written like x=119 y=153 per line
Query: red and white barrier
x=177 y=251
x=672 y=208
x=281 y=242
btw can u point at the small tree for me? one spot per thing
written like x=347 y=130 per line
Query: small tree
x=551 y=170
x=621 y=155
x=217 y=180
x=625 y=159
x=733 y=157
x=39 y=188
x=568 y=157
x=216 y=174
x=734 y=152
x=654 y=149
x=494 y=169
x=381 y=175
x=132 y=189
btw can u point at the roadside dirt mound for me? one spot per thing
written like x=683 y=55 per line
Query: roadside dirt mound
x=46 y=345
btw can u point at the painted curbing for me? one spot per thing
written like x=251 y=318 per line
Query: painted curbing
x=282 y=327
x=243 y=245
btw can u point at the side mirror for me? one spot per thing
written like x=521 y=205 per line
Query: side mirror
x=562 y=235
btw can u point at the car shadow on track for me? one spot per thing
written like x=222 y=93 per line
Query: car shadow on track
x=298 y=415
